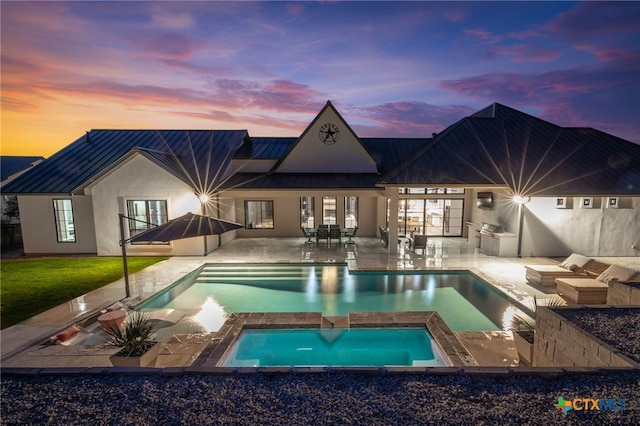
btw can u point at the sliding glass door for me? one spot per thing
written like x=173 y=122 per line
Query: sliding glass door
x=436 y=217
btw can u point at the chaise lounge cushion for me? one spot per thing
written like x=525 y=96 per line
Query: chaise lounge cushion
x=576 y=262
x=545 y=275
x=583 y=290
x=617 y=273
x=593 y=291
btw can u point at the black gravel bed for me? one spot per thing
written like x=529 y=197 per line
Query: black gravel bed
x=314 y=399
x=619 y=327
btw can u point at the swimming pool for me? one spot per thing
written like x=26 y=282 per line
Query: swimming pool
x=371 y=347
x=211 y=293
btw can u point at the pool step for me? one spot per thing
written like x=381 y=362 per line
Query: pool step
x=335 y=322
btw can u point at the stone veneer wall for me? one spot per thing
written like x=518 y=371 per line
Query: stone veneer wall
x=559 y=343
x=622 y=294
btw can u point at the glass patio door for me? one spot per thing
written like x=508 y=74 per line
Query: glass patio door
x=444 y=217
x=436 y=217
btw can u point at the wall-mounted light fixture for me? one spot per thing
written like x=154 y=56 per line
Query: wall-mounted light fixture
x=521 y=199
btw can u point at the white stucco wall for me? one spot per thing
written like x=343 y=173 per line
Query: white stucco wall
x=311 y=155
x=39 y=227
x=598 y=231
x=504 y=211
x=140 y=179
x=287 y=210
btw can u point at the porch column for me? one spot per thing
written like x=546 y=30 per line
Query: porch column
x=392 y=194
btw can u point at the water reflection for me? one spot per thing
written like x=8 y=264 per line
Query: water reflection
x=507 y=318
x=211 y=315
x=311 y=286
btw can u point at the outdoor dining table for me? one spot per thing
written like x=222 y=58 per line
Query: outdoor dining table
x=314 y=231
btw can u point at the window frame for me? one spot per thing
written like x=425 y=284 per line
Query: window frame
x=247 y=222
x=58 y=219
x=348 y=209
x=329 y=201
x=307 y=211
x=131 y=219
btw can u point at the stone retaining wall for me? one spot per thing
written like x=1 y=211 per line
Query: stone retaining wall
x=623 y=294
x=559 y=343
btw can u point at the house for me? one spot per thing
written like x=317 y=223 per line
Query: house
x=578 y=189
x=12 y=166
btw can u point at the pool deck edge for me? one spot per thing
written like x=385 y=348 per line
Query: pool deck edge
x=450 y=347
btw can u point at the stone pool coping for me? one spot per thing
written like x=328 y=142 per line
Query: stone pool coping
x=450 y=346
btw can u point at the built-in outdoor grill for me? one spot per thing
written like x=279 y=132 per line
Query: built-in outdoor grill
x=494 y=241
x=489 y=229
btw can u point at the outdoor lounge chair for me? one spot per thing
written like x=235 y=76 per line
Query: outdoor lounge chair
x=545 y=275
x=308 y=234
x=593 y=291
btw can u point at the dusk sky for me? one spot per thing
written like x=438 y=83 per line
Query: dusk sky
x=403 y=69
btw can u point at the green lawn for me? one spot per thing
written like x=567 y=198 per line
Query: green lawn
x=31 y=286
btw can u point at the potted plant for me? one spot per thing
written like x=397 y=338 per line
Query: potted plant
x=135 y=338
x=523 y=330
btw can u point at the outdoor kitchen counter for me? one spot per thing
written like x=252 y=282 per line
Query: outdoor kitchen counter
x=504 y=244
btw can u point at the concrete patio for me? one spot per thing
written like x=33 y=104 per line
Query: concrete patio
x=22 y=343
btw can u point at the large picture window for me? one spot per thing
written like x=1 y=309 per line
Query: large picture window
x=258 y=214
x=145 y=214
x=65 y=227
x=350 y=212
x=329 y=210
x=307 y=209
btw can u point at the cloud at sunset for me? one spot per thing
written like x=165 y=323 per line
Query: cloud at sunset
x=393 y=69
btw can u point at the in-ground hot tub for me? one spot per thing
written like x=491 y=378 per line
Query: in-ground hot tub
x=339 y=347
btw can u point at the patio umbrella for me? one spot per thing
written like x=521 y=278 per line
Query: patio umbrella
x=186 y=226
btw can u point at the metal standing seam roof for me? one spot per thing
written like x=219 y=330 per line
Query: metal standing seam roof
x=196 y=156
x=265 y=148
x=387 y=152
x=300 y=181
x=495 y=146
x=503 y=146
x=12 y=164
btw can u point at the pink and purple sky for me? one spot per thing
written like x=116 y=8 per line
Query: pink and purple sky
x=404 y=69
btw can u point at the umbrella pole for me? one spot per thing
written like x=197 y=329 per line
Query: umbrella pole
x=123 y=244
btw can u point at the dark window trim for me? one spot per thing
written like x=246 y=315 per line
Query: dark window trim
x=55 y=219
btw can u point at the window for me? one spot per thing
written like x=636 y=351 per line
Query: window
x=145 y=214
x=65 y=228
x=329 y=210
x=307 y=208
x=350 y=212
x=258 y=214
x=431 y=190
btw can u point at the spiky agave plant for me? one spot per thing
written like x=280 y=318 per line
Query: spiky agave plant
x=524 y=327
x=135 y=337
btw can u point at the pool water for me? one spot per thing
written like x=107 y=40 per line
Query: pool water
x=375 y=347
x=210 y=295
